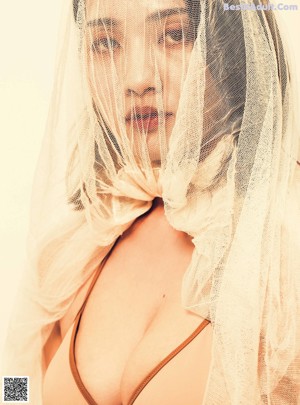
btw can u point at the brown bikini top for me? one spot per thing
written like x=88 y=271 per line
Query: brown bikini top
x=87 y=396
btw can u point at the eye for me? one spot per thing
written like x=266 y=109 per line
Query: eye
x=105 y=45
x=173 y=37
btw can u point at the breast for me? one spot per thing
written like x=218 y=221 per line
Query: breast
x=59 y=387
x=180 y=380
x=170 y=365
x=133 y=319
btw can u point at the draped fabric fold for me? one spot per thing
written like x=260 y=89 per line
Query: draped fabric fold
x=195 y=106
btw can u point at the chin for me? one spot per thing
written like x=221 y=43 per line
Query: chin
x=153 y=144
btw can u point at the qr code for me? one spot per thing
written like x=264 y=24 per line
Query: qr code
x=15 y=389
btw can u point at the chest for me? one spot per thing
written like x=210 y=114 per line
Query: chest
x=132 y=321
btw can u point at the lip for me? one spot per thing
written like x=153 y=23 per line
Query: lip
x=145 y=119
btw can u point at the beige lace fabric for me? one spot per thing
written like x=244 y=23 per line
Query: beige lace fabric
x=183 y=100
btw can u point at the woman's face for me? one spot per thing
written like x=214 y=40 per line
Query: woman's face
x=138 y=53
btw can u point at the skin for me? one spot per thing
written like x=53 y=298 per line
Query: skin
x=151 y=241
x=137 y=297
x=164 y=41
x=152 y=232
x=139 y=46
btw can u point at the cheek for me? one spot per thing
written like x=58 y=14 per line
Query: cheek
x=173 y=75
x=102 y=88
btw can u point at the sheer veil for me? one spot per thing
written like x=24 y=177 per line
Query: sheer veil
x=223 y=159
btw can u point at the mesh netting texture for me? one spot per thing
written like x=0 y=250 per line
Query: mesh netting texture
x=192 y=104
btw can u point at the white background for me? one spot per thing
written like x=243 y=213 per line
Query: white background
x=28 y=37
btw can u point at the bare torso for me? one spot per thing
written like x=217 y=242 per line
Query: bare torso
x=134 y=318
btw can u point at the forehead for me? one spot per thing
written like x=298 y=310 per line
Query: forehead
x=127 y=9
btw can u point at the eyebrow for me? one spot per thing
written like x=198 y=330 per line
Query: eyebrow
x=157 y=15
x=103 y=22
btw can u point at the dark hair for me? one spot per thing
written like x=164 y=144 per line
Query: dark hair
x=225 y=41
x=75 y=8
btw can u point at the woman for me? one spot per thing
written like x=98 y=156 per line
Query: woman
x=170 y=276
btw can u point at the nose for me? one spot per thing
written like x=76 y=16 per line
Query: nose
x=139 y=69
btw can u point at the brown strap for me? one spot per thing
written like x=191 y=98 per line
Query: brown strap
x=72 y=358
x=166 y=360
x=73 y=366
